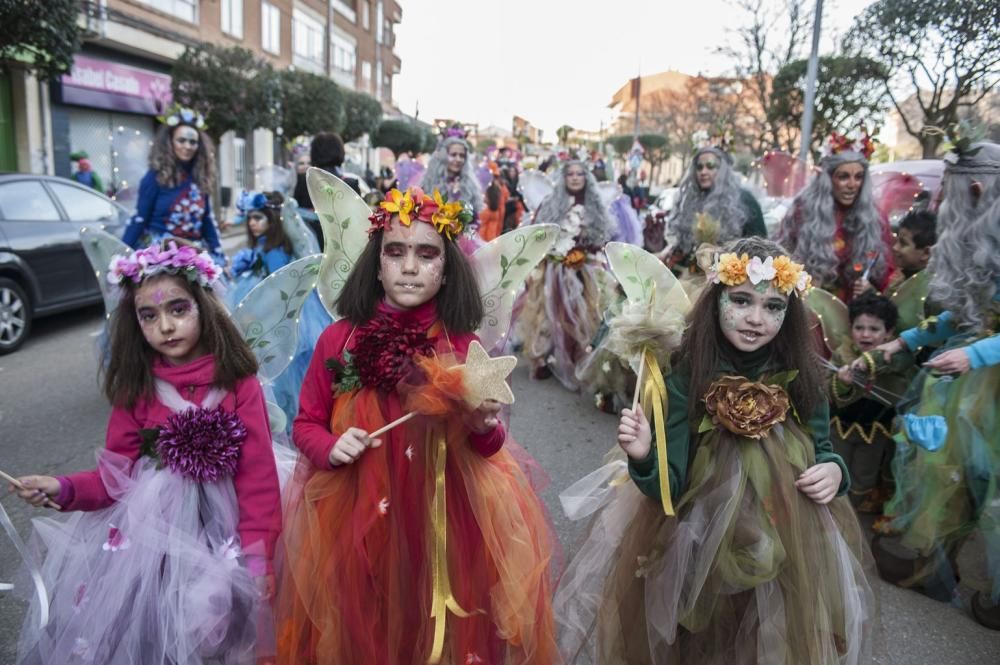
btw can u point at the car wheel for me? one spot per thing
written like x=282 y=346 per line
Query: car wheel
x=15 y=316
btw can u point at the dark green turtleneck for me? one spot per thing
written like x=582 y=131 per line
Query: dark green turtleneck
x=680 y=429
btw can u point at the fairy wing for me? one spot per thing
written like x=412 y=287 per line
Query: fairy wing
x=302 y=238
x=268 y=316
x=645 y=278
x=833 y=317
x=100 y=246
x=343 y=216
x=534 y=188
x=501 y=267
x=909 y=299
x=608 y=191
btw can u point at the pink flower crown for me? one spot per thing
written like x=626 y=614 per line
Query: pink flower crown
x=182 y=260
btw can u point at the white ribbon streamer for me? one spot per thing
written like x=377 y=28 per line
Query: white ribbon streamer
x=29 y=561
x=587 y=495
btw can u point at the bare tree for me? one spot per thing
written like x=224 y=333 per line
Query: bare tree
x=773 y=36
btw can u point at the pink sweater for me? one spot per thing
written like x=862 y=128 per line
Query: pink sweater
x=255 y=481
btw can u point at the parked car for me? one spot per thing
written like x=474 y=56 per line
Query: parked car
x=43 y=269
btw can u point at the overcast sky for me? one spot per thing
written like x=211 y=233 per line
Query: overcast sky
x=552 y=61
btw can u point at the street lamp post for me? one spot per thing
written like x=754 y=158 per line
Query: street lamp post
x=810 y=101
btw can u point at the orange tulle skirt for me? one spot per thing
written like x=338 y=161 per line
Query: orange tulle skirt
x=355 y=568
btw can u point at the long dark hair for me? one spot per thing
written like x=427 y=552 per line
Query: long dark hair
x=704 y=348
x=275 y=234
x=458 y=302
x=128 y=360
x=168 y=168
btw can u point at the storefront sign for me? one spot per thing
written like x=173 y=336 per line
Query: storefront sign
x=108 y=85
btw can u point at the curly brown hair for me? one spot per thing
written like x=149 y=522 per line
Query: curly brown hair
x=168 y=168
x=705 y=348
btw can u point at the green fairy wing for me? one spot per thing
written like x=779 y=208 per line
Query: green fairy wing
x=909 y=299
x=302 y=238
x=641 y=273
x=100 y=246
x=268 y=316
x=502 y=266
x=343 y=216
x=833 y=318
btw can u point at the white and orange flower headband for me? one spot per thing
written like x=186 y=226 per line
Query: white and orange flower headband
x=784 y=274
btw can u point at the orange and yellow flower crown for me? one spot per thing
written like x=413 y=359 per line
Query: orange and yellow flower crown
x=783 y=273
x=447 y=218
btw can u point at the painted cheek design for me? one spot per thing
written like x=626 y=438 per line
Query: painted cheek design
x=727 y=312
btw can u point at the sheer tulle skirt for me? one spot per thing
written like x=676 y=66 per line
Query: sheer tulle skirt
x=749 y=571
x=154 y=579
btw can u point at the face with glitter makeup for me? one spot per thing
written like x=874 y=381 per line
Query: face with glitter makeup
x=169 y=319
x=411 y=266
x=750 y=316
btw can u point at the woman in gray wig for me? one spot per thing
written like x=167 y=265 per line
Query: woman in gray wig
x=711 y=187
x=947 y=462
x=563 y=305
x=834 y=228
x=450 y=170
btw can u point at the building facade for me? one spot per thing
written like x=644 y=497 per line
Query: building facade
x=120 y=81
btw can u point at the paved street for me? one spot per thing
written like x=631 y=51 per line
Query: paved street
x=52 y=417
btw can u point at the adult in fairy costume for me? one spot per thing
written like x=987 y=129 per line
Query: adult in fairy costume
x=834 y=228
x=711 y=207
x=947 y=463
x=564 y=303
x=175 y=194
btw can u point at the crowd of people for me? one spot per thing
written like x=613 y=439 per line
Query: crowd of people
x=841 y=368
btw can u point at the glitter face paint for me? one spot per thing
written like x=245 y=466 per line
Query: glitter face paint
x=749 y=318
x=169 y=319
x=411 y=267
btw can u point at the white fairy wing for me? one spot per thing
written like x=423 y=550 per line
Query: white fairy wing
x=268 y=316
x=302 y=238
x=273 y=178
x=100 y=246
x=534 y=187
x=608 y=191
x=343 y=216
x=501 y=267
x=644 y=278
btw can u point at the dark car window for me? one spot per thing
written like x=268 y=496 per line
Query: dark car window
x=83 y=206
x=27 y=200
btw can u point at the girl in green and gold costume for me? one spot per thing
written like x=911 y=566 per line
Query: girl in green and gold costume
x=733 y=543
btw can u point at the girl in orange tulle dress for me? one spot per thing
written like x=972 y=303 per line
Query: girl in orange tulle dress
x=426 y=543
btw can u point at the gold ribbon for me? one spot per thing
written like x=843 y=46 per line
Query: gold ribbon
x=654 y=396
x=442 y=600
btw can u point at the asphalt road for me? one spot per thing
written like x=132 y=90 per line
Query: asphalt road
x=52 y=418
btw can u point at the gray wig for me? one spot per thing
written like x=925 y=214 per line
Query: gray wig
x=808 y=230
x=437 y=174
x=722 y=202
x=965 y=262
x=598 y=227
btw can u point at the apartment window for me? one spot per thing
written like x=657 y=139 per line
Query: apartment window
x=307 y=40
x=366 y=76
x=346 y=8
x=366 y=15
x=270 y=28
x=232 y=17
x=344 y=53
x=182 y=9
x=378 y=80
x=379 y=21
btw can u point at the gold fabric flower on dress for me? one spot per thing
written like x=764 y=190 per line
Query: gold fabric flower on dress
x=746 y=408
x=574 y=258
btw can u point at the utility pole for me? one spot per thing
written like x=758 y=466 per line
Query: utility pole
x=810 y=101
